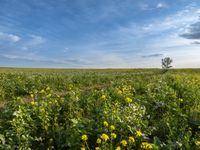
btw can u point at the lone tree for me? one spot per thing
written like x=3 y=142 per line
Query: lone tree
x=166 y=62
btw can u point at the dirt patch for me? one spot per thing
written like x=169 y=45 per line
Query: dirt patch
x=2 y=104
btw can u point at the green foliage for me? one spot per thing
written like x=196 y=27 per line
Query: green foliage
x=100 y=109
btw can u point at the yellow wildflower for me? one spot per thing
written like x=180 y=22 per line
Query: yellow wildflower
x=105 y=123
x=49 y=95
x=42 y=109
x=128 y=100
x=124 y=143
x=98 y=141
x=124 y=89
x=42 y=91
x=146 y=146
x=33 y=102
x=113 y=136
x=180 y=99
x=197 y=143
x=97 y=148
x=104 y=137
x=119 y=92
x=138 y=133
x=32 y=95
x=131 y=139
x=84 y=137
x=83 y=148
x=112 y=127
x=118 y=148
x=48 y=88
x=103 y=97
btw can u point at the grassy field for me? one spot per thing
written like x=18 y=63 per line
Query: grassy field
x=93 y=109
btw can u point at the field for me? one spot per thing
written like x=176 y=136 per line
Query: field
x=108 y=109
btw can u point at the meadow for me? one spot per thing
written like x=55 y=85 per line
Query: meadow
x=99 y=109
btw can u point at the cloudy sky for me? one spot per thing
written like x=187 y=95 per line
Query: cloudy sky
x=99 y=33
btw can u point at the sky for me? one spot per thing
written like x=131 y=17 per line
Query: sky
x=99 y=33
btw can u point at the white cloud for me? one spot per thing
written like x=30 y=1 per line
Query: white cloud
x=161 y=5
x=25 y=56
x=34 y=57
x=167 y=31
x=36 y=40
x=198 y=11
x=168 y=41
x=195 y=42
x=108 y=60
x=9 y=37
x=66 y=49
x=177 y=22
x=24 y=48
x=145 y=6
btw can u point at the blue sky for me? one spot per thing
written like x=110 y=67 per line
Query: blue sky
x=99 y=33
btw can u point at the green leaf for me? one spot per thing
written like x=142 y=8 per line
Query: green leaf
x=2 y=139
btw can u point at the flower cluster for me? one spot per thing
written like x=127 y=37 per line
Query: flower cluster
x=146 y=146
x=84 y=137
x=197 y=143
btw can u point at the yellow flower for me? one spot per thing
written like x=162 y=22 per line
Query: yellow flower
x=104 y=137
x=124 y=89
x=42 y=91
x=113 y=136
x=42 y=109
x=112 y=127
x=48 y=88
x=146 y=146
x=131 y=139
x=97 y=148
x=32 y=95
x=180 y=99
x=138 y=133
x=98 y=141
x=128 y=100
x=83 y=148
x=197 y=143
x=103 y=97
x=124 y=143
x=49 y=95
x=118 y=148
x=84 y=137
x=105 y=123
x=119 y=92
x=33 y=103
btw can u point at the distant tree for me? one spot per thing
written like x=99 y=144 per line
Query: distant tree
x=166 y=63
